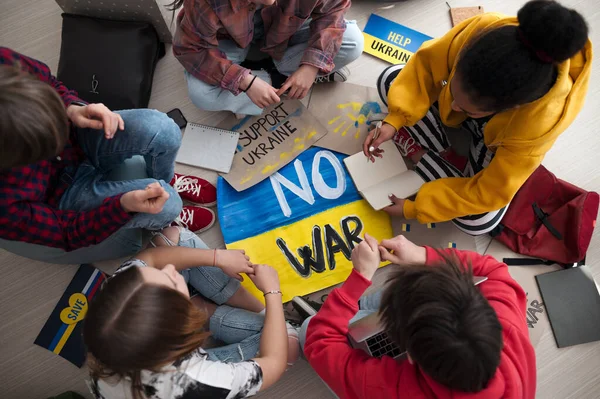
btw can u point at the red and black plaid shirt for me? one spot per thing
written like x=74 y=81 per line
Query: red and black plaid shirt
x=202 y=23
x=29 y=195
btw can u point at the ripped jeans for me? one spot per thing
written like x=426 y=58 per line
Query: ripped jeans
x=239 y=329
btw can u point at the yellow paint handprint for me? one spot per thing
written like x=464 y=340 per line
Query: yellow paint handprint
x=355 y=119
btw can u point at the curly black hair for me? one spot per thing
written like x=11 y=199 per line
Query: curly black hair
x=514 y=65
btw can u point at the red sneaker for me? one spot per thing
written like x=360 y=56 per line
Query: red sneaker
x=195 y=218
x=406 y=143
x=195 y=190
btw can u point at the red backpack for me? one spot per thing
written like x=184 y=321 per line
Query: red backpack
x=549 y=219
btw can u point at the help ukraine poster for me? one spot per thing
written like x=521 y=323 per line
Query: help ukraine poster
x=391 y=41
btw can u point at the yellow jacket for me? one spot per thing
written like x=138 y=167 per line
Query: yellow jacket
x=521 y=136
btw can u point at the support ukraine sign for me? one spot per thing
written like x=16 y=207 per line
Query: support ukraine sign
x=390 y=41
x=304 y=221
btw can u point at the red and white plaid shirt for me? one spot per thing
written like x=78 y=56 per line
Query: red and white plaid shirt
x=202 y=23
x=29 y=195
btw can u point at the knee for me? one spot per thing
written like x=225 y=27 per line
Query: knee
x=203 y=95
x=352 y=43
x=169 y=137
x=172 y=207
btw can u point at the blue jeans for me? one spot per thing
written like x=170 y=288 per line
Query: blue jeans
x=239 y=329
x=215 y=98
x=141 y=154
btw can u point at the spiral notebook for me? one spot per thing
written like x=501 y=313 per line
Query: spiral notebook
x=208 y=147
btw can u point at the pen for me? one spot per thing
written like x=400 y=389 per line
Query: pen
x=375 y=136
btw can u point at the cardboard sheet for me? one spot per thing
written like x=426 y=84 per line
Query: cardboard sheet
x=460 y=14
x=270 y=141
x=537 y=319
x=344 y=110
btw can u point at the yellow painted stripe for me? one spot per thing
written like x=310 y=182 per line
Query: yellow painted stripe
x=263 y=248
x=64 y=338
x=386 y=51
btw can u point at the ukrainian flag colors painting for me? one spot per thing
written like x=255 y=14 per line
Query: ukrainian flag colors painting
x=304 y=221
x=62 y=332
x=391 y=41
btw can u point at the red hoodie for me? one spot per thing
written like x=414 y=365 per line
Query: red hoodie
x=351 y=373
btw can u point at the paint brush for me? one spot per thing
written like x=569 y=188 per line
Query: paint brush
x=375 y=137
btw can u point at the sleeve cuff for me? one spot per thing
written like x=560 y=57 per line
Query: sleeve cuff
x=319 y=59
x=233 y=78
x=410 y=209
x=397 y=121
x=355 y=286
x=120 y=215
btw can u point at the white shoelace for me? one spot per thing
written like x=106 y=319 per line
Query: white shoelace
x=186 y=183
x=404 y=145
x=322 y=79
x=185 y=218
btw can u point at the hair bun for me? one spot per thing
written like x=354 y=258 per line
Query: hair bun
x=552 y=29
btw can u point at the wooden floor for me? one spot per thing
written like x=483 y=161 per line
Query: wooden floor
x=29 y=290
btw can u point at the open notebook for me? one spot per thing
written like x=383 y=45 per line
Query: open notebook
x=388 y=175
x=208 y=147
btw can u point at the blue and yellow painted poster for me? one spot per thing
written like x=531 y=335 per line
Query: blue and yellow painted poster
x=62 y=332
x=304 y=220
x=391 y=41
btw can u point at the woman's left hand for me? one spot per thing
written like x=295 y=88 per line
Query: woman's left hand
x=397 y=208
x=233 y=262
x=96 y=116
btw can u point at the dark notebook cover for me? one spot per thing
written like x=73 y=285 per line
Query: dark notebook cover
x=572 y=301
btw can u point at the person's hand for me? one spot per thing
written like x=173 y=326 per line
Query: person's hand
x=96 y=116
x=366 y=257
x=265 y=278
x=233 y=262
x=300 y=82
x=150 y=200
x=397 y=207
x=261 y=93
x=386 y=132
x=401 y=251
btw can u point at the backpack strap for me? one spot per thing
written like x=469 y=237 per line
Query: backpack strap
x=543 y=216
x=526 y=262
x=537 y=262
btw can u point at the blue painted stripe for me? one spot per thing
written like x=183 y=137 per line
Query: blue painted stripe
x=381 y=28
x=57 y=337
x=256 y=210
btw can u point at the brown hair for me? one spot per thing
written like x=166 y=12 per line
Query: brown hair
x=132 y=326
x=33 y=120
x=446 y=325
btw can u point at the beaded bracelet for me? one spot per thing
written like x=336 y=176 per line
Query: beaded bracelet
x=272 y=292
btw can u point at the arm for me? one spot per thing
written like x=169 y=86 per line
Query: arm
x=327 y=27
x=421 y=80
x=38 y=223
x=195 y=45
x=489 y=190
x=274 y=339
x=232 y=262
x=350 y=372
x=41 y=71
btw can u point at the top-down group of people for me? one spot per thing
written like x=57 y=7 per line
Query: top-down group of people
x=68 y=194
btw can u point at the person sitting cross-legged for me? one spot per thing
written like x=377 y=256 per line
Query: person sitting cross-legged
x=461 y=340
x=78 y=182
